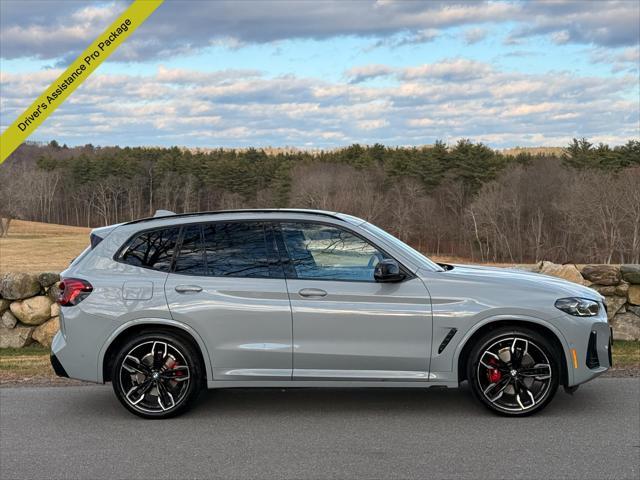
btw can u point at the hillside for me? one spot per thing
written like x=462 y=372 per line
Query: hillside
x=38 y=247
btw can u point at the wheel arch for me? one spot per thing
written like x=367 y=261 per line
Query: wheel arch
x=540 y=326
x=135 y=327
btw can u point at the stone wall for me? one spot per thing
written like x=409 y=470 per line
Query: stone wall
x=28 y=312
x=619 y=284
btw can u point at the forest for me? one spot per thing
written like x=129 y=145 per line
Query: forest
x=464 y=200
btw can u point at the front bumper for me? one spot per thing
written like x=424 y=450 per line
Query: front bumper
x=592 y=352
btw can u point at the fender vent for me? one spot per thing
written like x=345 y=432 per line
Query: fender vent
x=446 y=340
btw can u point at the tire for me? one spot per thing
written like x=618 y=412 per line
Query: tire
x=514 y=371
x=157 y=375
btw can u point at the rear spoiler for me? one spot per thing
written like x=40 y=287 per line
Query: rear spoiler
x=99 y=234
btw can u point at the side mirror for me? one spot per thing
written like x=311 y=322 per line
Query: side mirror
x=388 y=270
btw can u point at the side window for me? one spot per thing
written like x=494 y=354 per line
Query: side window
x=325 y=252
x=153 y=249
x=236 y=250
x=190 y=259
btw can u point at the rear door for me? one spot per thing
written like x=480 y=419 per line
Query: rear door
x=345 y=324
x=228 y=284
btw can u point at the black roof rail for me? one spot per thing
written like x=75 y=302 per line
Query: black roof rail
x=167 y=216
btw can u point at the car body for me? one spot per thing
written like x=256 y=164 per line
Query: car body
x=304 y=304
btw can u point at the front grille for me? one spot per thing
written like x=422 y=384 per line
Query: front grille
x=592 y=351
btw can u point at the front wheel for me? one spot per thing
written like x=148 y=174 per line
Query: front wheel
x=514 y=371
x=156 y=375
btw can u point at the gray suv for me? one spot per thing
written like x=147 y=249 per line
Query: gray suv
x=165 y=306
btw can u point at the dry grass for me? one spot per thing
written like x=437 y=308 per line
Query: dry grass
x=555 y=151
x=41 y=247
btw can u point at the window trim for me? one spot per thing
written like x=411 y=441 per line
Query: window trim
x=274 y=251
x=287 y=262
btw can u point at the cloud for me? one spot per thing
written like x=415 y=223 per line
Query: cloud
x=443 y=100
x=60 y=30
x=607 y=24
x=475 y=35
x=622 y=60
x=367 y=72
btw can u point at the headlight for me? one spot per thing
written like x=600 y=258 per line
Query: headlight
x=580 y=307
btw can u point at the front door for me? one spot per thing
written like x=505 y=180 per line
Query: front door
x=228 y=285
x=345 y=324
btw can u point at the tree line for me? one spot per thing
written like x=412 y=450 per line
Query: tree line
x=464 y=200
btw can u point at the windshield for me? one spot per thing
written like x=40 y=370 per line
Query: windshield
x=410 y=251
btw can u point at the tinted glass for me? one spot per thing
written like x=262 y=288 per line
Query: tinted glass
x=236 y=250
x=190 y=259
x=325 y=252
x=152 y=249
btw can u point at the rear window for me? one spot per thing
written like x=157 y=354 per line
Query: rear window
x=152 y=249
x=236 y=250
x=190 y=260
x=232 y=249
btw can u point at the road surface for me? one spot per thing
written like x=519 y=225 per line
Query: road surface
x=83 y=432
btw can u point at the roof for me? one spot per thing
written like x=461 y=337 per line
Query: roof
x=167 y=215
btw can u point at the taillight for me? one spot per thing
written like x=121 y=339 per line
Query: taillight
x=73 y=291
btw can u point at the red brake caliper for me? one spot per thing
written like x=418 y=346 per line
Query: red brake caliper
x=493 y=374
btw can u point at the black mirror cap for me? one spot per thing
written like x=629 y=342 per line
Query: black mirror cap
x=388 y=270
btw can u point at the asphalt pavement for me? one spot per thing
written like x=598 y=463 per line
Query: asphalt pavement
x=83 y=432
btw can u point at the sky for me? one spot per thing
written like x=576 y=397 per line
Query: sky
x=324 y=74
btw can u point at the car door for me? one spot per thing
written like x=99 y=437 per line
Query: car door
x=345 y=324
x=228 y=284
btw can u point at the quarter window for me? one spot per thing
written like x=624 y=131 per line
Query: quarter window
x=324 y=252
x=153 y=249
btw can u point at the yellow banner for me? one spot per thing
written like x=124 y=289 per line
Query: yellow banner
x=78 y=71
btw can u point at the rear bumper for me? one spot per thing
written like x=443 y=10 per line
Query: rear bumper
x=57 y=367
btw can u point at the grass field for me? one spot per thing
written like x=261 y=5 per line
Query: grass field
x=31 y=364
x=41 y=247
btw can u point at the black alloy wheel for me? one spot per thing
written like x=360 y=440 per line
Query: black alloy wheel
x=156 y=375
x=514 y=372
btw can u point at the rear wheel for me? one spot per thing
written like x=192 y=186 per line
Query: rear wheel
x=514 y=371
x=156 y=375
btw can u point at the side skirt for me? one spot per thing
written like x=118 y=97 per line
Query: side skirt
x=325 y=384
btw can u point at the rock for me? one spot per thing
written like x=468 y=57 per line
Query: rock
x=55 y=310
x=4 y=305
x=634 y=294
x=602 y=274
x=17 y=337
x=44 y=333
x=613 y=305
x=605 y=290
x=631 y=273
x=633 y=308
x=54 y=292
x=8 y=320
x=32 y=311
x=16 y=286
x=622 y=289
x=626 y=326
x=566 y=272
x=48 y=278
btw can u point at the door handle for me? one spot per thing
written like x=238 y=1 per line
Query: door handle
x=188 y=288
x=312 y=292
